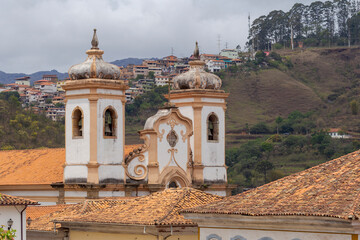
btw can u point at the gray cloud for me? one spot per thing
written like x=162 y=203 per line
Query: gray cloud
x=54 y=34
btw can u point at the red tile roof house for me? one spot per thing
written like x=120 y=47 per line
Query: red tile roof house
x=321 y=203
x=12 y=213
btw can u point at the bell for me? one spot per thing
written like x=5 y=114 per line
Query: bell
x=108 y=131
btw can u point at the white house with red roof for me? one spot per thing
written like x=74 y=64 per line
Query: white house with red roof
x=13 y=215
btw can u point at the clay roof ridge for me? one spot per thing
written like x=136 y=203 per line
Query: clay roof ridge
x=173 y=207
x=296 y=174
x=6 y=199
x=355 y=205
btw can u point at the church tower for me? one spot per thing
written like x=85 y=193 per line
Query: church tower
x=95 y=105
x=197 y=95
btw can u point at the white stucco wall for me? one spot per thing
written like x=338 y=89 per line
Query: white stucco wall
x=139 y=193
x=110 y=151
x=47 y=203
x=111 y=194
x=219 y=193
x=180 y=100
x=77 y=149
x=215 y=173
x=54 y=193
x=76 y=193
x=214 y=100
x=13 y=212
x=75 y=92
x=236 y=234
x=111 y=172
x=75 y=172
x=109 y=91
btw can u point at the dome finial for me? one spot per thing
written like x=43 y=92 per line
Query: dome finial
x=196 y=51
x=94 y=41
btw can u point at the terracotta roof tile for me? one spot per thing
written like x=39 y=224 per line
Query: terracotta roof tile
x=330 y=189
x=27 y=166
x=160 y=208
x=12 y=200
x=35 y=212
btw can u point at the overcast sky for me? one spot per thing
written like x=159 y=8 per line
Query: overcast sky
x=54 y=34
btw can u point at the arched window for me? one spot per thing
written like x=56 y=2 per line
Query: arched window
x=213 y=127
x=77 y=122
x=110 y=122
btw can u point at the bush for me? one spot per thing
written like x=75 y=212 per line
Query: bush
x=354 y=107
x=260 y=128
x=277 y=46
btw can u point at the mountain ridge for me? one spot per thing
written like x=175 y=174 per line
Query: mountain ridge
x=6 y=78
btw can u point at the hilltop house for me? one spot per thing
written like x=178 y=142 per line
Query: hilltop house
x=23 y=81
x=337 y=133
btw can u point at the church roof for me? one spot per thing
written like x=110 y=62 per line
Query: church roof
x=36 y=166
x=331 y=189
x=160 y=208
x=8 y=200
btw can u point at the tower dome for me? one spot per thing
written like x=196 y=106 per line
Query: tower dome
x=94 y=66
x=196 y=77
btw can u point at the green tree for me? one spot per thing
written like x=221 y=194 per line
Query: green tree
x=151 y=75
x=139 y=76
x=278 y=120
x=59 y=105
x=260 y=128
x=263 y=167
x=354 y=107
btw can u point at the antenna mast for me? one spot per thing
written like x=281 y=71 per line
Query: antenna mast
x=219 y=36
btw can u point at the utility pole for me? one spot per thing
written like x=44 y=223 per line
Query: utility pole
x=226 y=45
x=172 y=51
x=249 y=25
x=219 y=42
x=292 y=37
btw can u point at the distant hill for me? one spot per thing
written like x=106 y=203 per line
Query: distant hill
x=127 y=61
x=7 y=78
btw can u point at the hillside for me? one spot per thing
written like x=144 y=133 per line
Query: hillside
x=321 y=80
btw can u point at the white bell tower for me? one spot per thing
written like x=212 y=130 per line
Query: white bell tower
x=95 y=105
x=198 y=96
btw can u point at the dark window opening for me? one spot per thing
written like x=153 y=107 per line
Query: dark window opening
x=77 y=123
x=109 y=123
x=173 y=184
x=213 y=127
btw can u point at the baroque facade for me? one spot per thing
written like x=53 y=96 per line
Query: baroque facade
x=184 y=142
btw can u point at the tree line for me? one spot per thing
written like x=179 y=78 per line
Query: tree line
x=329 y=23
x=23 y=129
